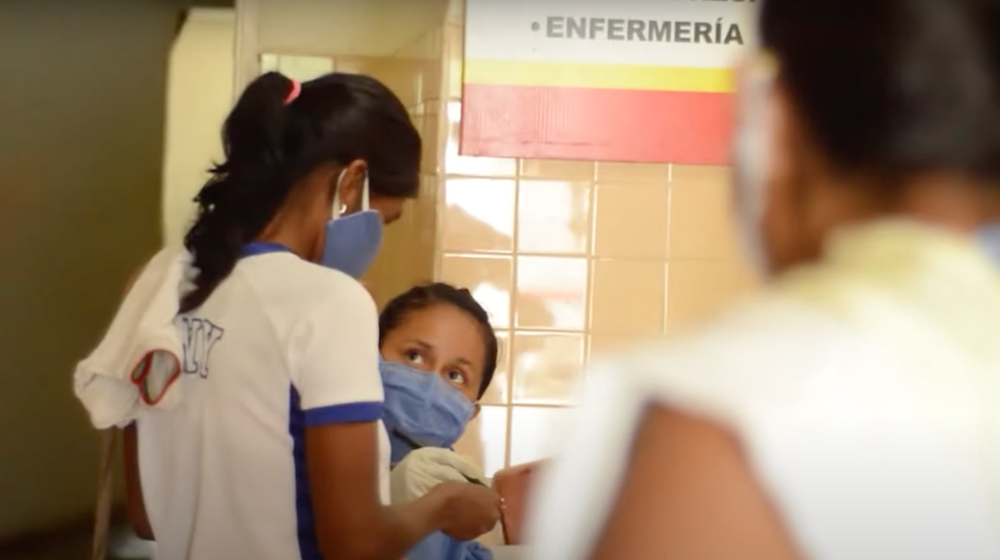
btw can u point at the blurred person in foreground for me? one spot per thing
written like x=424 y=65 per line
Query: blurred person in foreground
x=852 y=410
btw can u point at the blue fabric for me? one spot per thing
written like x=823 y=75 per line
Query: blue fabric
x=352 y=242
x=308 y=545
x=422 y=410
x=399 y=447
x=347 y=413
x=263 y=248
x=439 y=546
x=422 y=407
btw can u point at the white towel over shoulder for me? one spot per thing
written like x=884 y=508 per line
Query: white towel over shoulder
x=137 y=362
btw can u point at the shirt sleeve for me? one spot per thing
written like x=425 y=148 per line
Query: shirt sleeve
x=334 y=358
x=578 y=487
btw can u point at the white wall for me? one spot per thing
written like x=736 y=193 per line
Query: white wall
x=199 y=96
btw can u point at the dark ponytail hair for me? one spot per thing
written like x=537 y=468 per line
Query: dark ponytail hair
x=894 y=88
x=272 y=141
x=428 y=295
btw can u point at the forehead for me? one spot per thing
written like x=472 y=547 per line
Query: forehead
x=453 y=333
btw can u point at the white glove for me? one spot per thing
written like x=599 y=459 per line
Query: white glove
x=423 y=469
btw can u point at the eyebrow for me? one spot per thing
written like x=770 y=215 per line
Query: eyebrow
x=426 y=346
x=419 y=343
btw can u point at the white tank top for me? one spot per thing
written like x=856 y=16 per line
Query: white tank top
x=865 y=391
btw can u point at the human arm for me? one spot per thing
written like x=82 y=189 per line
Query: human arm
x=134 y=503
x=340 y=397
x=689 y=494
x=632 y=477
x=420 y=472
x=425 y=468
x=351 y=522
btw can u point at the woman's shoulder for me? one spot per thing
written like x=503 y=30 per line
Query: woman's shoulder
x=319 y=285
x=766 y=354
x=337 y=299
x=333 y=287
x=304 y=293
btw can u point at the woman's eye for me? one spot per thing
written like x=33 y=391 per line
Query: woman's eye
x=456 y=377
x=414 y=357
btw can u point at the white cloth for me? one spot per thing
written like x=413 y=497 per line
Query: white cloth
x=423 y=469
x=142 y=339
x=509 y=552
x=281 y=345
x=863 y=391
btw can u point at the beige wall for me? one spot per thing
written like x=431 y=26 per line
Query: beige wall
x=199 y=96
x=574 y=259
x=81 y=147
x=407 y=258
x=366 y=28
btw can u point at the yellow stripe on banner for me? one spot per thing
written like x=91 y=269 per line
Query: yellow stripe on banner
x=603 y=76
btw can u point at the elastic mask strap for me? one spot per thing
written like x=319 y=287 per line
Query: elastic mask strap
x=336 y=195
x=364 y=195
x=338 y=209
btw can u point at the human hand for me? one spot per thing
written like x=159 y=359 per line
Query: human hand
x=469 y=510
x=424 y=469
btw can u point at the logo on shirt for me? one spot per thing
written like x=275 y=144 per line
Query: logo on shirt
x=198 y=338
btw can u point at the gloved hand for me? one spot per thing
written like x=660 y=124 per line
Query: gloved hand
x=425 y=468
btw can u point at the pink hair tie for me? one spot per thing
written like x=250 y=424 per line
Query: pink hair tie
x=293 y=94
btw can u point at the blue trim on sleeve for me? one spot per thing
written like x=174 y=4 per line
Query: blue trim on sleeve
x=298 y=421
x=348 y=413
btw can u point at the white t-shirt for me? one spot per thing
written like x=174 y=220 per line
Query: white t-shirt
x=281 y=344
x=864 y=391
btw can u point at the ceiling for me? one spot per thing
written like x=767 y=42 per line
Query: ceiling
x=346 y=27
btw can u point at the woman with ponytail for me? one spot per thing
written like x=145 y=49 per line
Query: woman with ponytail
x=278 y=450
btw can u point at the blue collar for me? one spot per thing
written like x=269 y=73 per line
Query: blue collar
x=262 y=248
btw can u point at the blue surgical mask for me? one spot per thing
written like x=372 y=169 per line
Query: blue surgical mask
x=352 y=241
x=421 y=409
x=752 y=145
x=989 y=240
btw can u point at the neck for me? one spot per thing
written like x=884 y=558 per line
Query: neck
x=940 y=200
x=952 y=202
x=287 y=230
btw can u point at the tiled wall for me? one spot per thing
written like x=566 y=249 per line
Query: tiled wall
x=415 y=74
x=574 y=259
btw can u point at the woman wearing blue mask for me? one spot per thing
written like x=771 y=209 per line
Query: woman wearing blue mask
x=277 y=450
x=439 y=353
x=440 y=330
